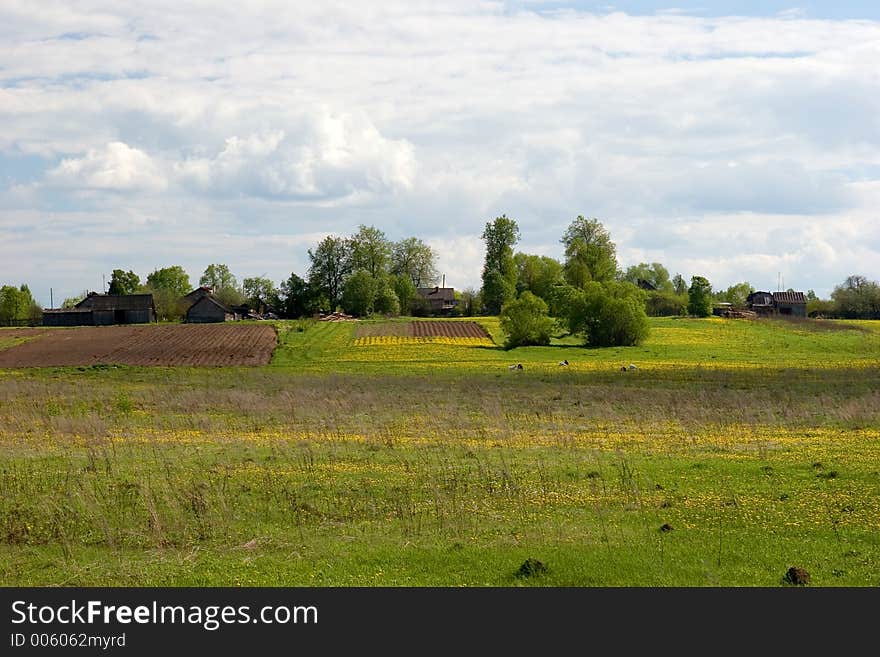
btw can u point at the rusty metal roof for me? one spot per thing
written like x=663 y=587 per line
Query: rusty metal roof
x=789 y=297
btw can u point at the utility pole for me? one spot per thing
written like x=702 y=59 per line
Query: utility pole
x=51 y=302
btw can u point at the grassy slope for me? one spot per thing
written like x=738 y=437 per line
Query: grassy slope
x=323 y=470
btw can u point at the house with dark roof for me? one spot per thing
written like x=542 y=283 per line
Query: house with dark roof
x=793 y=304
x=104 y=310
x=438 y=300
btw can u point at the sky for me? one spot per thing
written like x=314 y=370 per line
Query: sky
x=732 y=140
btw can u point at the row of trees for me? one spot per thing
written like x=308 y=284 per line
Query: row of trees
x=368 y=273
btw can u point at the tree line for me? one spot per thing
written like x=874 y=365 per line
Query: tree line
x=586 y=293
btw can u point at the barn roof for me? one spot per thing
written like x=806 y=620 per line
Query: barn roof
x=444 y=293
x=96 y=301
x=789 y=297
x=211 y=300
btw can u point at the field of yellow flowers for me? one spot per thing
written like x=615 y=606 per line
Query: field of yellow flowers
x=732 y=452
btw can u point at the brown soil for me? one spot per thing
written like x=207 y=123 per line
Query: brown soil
x=184 y=344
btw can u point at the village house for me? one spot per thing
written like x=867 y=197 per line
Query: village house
x=438 y=300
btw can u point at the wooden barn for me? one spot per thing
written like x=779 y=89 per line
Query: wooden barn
x=792 y=304
x=207 y=309
x=440 y=300
x=104 y=310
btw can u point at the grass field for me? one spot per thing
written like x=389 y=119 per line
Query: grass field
x=734 y=450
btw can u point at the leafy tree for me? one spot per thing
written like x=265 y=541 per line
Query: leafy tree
x=173 y=280
x=259 y=292
x=857 y=298
x=607 y=315
x=590 y=255
x=70 y=302
x=655 y=274
x=386 y=300
x=469 y=302
x=370 y=251
x=679 y=286
x=331 y=266
x=124 y=282
x=17 y=305
x=525 y=321
x=700 y=297
x=735 y=294
x=297 y=299
x=218 y=277
x=537 y=274
x=499 y=268
x=359 y=295
x=405 y=290
x=414 y=259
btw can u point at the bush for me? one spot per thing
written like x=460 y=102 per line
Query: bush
x=665 y=304
x=525 y=321
x=608 y=315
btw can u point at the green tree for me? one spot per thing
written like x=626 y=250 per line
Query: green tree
x=405 y=290
x=124 y=282
x=857 y=298
x=359 y=293
x=499 y=268
x=469 y=302
x=735 y=294
x=414 y=259
x=17 y=305
x=700 y=297
x=370 y=251
x=218 y=277
x=386 y=300
x=679 y=286
x=331 y=266
x=655 y=274
x=259 y=292
x=607 y=315
x=537 y=274
x=297 y=299
x=590 y=255
x=525 y=322
x=173 y=280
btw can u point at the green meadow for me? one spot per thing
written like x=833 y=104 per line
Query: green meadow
x=732 y=451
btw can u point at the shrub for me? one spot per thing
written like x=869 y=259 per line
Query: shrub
x=608 y=315
x=525 y=321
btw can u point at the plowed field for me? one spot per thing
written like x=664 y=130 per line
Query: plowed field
x=448 y=330
x=423 y=330
x=184 y=344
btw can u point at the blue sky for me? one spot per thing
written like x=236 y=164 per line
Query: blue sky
x=737 y=141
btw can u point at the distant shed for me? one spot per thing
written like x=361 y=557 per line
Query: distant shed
x=208 y=309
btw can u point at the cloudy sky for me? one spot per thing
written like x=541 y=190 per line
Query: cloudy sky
x=734 y=140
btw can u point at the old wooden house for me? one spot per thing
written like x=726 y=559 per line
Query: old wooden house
x=438 y=300
x=208 y=309
x=104 y=310
x=792 y=304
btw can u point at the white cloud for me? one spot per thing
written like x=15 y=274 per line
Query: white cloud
x=116 y=167
x=431 y=118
